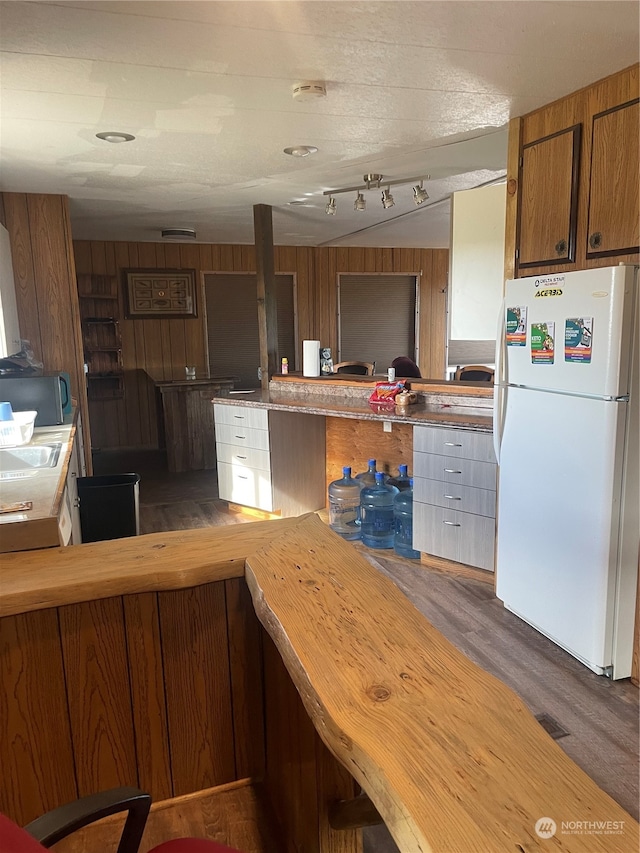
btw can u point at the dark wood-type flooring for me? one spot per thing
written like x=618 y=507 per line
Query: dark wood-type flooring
x=600 y=717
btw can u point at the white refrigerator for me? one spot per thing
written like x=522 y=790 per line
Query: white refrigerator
x=566 y=433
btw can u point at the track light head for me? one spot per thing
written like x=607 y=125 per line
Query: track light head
x=387 y=199
x=420 y=195
x=330 y=209
x=360 y=203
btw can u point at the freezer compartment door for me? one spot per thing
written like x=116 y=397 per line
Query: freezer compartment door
x=558 y=518
x=596 y=361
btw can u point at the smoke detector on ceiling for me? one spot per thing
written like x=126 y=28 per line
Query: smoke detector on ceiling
x=308 y=90
x=178 y=233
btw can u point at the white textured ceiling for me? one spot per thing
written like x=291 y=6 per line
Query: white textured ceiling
x=206 y=87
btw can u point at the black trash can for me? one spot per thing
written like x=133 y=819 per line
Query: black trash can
x=109 y=506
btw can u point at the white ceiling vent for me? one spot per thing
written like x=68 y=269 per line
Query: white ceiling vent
x=178 y=233
x=307 y=90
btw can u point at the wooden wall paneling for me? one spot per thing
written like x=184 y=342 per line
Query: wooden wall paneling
x=117 y=412
x=37 y=769
x=98 y=689
x=245 y=655
x=78 y=381
x=352 y=442
x=135 y=402
x=17 y=218
x=335 y=783
x=513 y=188
x=147 y=694
x=635 y=663
x=226 y=259
x=3 y=216
x=438 y=316
x=198 y=687
x=290 y=779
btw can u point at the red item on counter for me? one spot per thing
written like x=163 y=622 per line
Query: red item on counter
x=383 y=397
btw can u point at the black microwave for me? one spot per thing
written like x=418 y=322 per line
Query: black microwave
x=48 y=395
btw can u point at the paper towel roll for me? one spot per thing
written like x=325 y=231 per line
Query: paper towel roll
x=311 y=358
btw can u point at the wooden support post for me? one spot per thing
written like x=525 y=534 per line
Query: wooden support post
x=267 y=308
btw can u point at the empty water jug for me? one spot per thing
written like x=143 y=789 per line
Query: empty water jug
x=344 y=505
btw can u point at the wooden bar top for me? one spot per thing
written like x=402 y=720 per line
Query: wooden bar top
x=451 y=758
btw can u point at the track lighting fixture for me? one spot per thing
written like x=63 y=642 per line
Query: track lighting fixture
x=387 y=198
x=420 y=195
x=373 y=181
x=330 y=209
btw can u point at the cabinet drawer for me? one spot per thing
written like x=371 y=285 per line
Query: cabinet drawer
x=241 y=416
x=458 y=536
x=449 y=469
x=454 y=496
x=244 y=457
x=241 y=436
x=245 y=486
x=461 y=443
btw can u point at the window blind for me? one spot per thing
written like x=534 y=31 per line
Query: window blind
x=377 y=318
x=232 y=325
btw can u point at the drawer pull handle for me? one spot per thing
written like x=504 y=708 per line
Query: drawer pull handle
x=451 y=471
x=451 y=444
x=241 y=436
x=239 y=417
x=241 y=457
x=242 y=477
x=452 y=498
x=452 y=523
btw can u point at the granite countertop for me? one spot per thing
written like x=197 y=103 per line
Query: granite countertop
x=432 y=409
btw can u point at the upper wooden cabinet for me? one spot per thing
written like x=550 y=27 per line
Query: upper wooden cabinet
x=549 y=171
x=614 y=225
x=573 y=178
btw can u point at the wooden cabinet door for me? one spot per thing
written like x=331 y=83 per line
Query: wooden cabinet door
x=549 y=198
x=614 y=205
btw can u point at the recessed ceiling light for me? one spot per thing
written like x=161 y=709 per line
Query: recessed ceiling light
x=178 y=233
x=301 y=150
x=115 y=136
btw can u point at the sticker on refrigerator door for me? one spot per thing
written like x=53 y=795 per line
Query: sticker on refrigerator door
x=542 y=343
x=578 y=332
x=516 y=326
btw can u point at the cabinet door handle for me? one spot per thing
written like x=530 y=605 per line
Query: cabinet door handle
x=451 y=471
x=452 y=523
x=595 y=240
x=561 y=247
x=452 y=498
x=451 y=444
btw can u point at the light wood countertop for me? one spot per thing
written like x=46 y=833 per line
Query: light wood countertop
x=450 y=757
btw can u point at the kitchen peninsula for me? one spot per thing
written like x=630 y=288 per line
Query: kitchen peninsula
x=157 y=672
x=278 y=449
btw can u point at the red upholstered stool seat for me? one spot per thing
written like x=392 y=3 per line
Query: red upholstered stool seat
x=13 y=839
x=191 y=845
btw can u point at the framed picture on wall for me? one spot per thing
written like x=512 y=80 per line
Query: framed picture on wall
x=160 y=293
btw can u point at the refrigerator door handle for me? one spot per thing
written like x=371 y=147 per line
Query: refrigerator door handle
x=499 y=391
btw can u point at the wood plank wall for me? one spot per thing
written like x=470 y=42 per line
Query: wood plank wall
x=46 y=293
x=157 y=690
x=164 y=347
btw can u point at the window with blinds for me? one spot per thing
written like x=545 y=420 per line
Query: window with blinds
x=376 y=318
x=232 y=325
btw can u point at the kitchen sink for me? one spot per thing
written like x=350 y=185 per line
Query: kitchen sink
x=29 y=457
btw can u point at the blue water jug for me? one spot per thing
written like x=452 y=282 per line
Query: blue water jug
x=376 y=513
x=344 y=505
x=368 y=477
x=403 y=524
x=402 y=481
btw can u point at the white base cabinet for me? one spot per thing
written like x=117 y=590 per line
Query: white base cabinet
x=454 y=495
x=270 y=460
